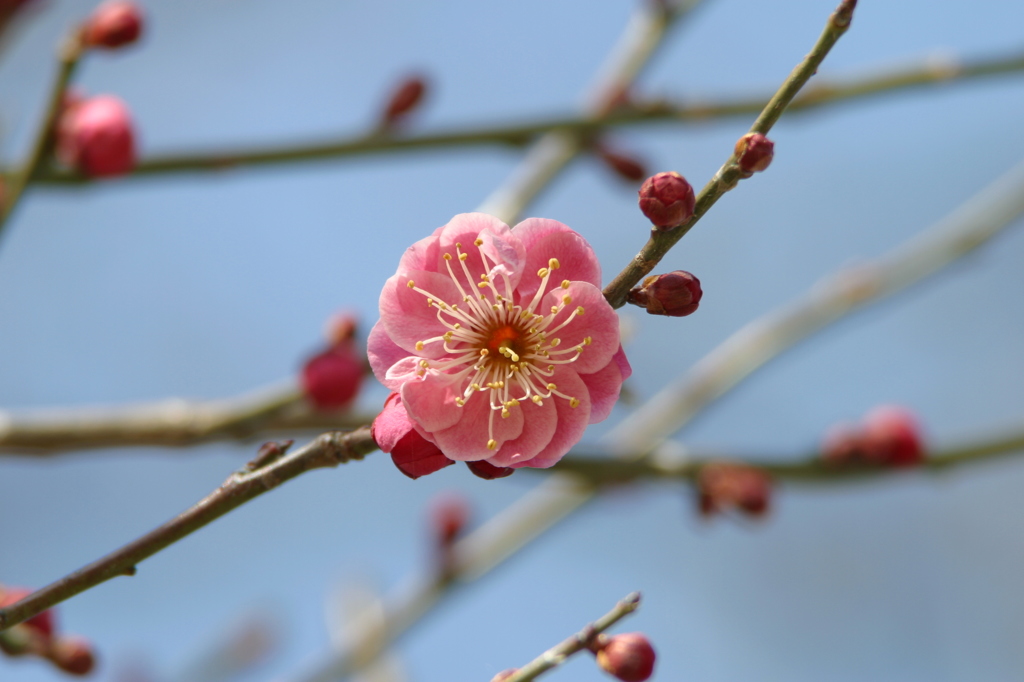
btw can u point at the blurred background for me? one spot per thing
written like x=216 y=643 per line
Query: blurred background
x=209 y=285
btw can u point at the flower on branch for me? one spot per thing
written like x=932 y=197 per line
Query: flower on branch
x=498 y=344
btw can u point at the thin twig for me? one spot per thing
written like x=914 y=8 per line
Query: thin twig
x=809 y=469
x=328 y=450
x=274 y=411
x=582 y=640
x=42 y=146
x=730 y=173
x=932 y=73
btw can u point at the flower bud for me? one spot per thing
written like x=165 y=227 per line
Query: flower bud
x=892 y=437
x=73 y=655
x=754 y=152
x=667 y=200
x=331 y=379
x=725 y=485
x=394 y=433
x=405 y=99
x=504 y=675
x=340 y=328
x=114 y=24
x=43 y=623
x=95 y=137
x=626 y=167
x=449 y=515
x=487 y=471
x=843 y=444
x=629 y=657
x=675 y=294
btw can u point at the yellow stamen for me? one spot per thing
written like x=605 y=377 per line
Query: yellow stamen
x=492 y=444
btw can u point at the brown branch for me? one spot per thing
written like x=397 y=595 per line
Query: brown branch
x=690 y=110
x=730 y=174
x=263 y=474
x=582 y=640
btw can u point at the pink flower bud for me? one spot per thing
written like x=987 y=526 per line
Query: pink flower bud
x=487 y=471
x=73 y=655
x=629 y=657
x=331 y=379
x=754 y=152
x=892 y=437
x=667 y=200
x=449 y=515
x=405 y=99
x=340 y=328
x=627 y=167
x=675 y=294
x=843 y=444
x=95 y=137
x=43 y=623
x=725 y=485
x=504 y=675
x=396 y=434
x=114 y=24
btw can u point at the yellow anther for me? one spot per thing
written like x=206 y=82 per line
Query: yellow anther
x=457 y=325
x=565 y=283
x=513 y=368
x=419 y=345
x=430 y=303
x=478 y=242
x=460 y=402
x=551 y=368
x=411 y=284
x=495 y=306
x=554 y=264
x=448 y=336
x=463 y=256
x=447 y=256
x=552 y=387
x=458 y=245
x=554 y=309
x=482 y=285
x=587 y=340
x=484 y=277
x=484 y=351
x=475 y=387
x=492 y=444
x=537 y=399
x=505 y=414
x=579 y=310
x=443 y=305
x=543 y=272
x=574 y=402
x=424 y=364
x=567 y=299
x=554 y=342
x=513 y=403
x=465 y=299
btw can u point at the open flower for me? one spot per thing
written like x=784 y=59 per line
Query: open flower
x=499 y=342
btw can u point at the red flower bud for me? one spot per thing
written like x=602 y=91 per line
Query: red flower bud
x=675 y=294
x=395 y=433
x=667 y=200
x=340 y=328
x=754 y=152
x=73 y=655
x=843 y=444
x=627 y=167
x=724 y=485
x=95 y=137
x=114 y=24
x=331 y=379
x=892 y=437
x=449 y=516
x=488 y=471
x=629 y=657
x=405 y=99
x=43 y=623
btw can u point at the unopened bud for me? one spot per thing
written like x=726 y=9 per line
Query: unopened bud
x=754 y=152
x=504 y=675
x=487 y=471
x=394 y=433
x=331 y=379
x=667 y=200
x=113 y=25
x=629 y=657
x=449 y=515
x=627 y=167
x=340 y=328
x=405 y=99
x=843 y=444
x=73 y=655
x=675 y=294
x=95 y=137
x=724 y=485
x=892 y=437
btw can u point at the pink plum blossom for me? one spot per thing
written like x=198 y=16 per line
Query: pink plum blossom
x=498 y=341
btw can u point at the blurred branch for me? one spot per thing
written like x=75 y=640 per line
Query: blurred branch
x=276 y=410
x=272 y=467
x=812 y=469
x=14 y=184
x=935 y=72
x=730 y=173
x=582 y=640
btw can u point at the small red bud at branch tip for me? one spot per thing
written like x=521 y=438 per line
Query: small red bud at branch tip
x=667 y=200
x=405 y=99
x=449 y=516
x=626 y=167
x=73 y=655
x=675 y=294
x=754 y=152
x=725 y=485
x=95 y=136
x=114 y=24
x=629 y=657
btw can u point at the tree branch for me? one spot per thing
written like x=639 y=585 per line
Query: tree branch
x=270 y=469
x=730 y=173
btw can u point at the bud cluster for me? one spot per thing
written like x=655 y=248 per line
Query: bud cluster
x=39 y=636
x=887 y=436
x=675 y=294
x=728 y=485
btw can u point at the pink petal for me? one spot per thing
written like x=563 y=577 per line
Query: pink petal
x=545 y=239
x=430 y=401
x=605 y=384
x=406 y=316
x=391 y=425
x=415 y=456
x=499 y=244
x=422 y=255
x=623 y=363
x=488 y=471
x=598 y=321
x=382 y=352
x=539 y=424
x=467 y=440
x=572 y=421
